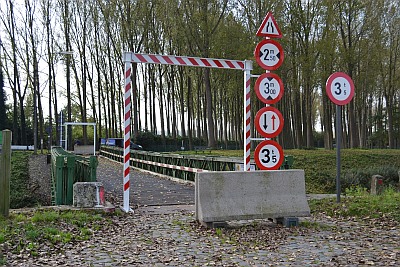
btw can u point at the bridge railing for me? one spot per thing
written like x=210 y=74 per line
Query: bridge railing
x=67 y=169
x=180 y=166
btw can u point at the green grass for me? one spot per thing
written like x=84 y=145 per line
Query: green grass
x=357 y=166
x=46 y=216
x=20 y=194
x=30 y=230
x=359 y=203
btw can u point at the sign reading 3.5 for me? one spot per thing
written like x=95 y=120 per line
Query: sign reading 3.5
x=340 y=88
x=268 y=155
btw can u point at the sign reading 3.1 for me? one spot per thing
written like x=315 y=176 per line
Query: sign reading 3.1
x=268 y=155
x=340 y=88
x=269 y=54
x=269 y=88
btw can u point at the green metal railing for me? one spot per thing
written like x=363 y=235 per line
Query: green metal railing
x=67 y=169
x=179 y=166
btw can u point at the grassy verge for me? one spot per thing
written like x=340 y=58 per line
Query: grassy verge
x=46 y=230
x=358 y=203
x=357 y=166
x=20 y=194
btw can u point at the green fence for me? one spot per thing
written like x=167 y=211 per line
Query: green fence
x=67 y=169
x=179 y=166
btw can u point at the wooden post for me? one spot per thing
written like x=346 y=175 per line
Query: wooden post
x=5 y=173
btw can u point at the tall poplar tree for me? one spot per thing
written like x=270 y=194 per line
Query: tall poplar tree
x=3 y=114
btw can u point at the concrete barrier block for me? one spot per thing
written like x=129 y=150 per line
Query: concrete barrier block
x=88 y=195
x=226 y=196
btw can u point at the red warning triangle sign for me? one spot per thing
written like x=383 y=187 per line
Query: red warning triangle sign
x=269 y=27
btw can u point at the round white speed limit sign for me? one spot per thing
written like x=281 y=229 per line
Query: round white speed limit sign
x=340 y=88
x=268 y=155
x=269 y=88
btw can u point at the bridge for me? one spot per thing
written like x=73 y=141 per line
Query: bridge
x=174 y=187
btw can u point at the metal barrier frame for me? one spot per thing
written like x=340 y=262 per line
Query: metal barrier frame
x=66 y=124
x=129 y=57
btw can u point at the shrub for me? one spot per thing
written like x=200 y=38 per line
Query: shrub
x=362 y=177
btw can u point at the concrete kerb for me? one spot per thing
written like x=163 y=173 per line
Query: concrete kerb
x=227 y=196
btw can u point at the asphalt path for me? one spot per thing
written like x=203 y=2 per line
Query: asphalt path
x=146 y=189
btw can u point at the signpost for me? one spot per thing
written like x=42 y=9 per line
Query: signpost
x=340 y=90
x=269 y=122
x=269 y=89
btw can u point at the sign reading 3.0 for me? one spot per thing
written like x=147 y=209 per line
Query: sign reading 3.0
x=268 y=155
x=340 y=88
x=269 y=54
x=269 y=88
x=269 y=122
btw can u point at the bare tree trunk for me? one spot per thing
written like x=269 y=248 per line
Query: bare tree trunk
x=209 y=110
x=16 y=83
x=189 y=111
x=46 y=11
x=145 y=96
x=169 y=108
x=182 y=102
x=198 y=119
x=160 y=95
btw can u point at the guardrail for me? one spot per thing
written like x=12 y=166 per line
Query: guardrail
x=180 y=166
x=67 y=169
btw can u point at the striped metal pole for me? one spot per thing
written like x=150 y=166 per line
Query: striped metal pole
x=127 y=135
x=246 y=118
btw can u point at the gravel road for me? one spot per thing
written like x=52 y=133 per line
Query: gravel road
x=145 y=189
x=170 y=236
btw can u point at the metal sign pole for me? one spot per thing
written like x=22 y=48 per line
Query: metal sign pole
x=340 y=90
x=338 y=143
x=246 y=138
x=61 y=129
